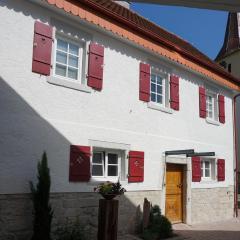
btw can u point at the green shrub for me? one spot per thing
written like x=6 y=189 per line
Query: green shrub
x=71 y=230
x=159 y=226
x=40 y=196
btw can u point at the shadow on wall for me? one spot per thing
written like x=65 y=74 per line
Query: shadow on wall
x=24 y=137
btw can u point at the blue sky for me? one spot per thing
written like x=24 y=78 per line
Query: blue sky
x=204 y=29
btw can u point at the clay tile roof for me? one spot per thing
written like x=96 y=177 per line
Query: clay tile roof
x=143 y=27
x=231 y=40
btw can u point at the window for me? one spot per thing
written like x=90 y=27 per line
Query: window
x=208 y=169
x=68 y=57
x=211 y=106
x=229 y=67
x=106 y=164
x=224 y=64
x=158 y=89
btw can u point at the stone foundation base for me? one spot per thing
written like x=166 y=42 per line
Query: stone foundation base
x=16 y=212
x=208 y=205
x=212 y=205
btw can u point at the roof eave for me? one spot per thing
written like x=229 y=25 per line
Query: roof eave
x=162 y=41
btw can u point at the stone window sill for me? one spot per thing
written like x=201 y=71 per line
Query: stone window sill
x=68 y=84
x=97 y=181
x=213 y=122
x=208 y=180
x=158 y=107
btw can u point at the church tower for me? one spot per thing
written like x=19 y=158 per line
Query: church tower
x=229 y=55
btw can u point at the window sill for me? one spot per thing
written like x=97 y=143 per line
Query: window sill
x=158 y=107
x=68 y=84
x=208 y=180
x=96 y=181
x=213 y=122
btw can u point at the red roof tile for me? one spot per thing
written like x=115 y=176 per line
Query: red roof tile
x=145 y=29
x=165 y=38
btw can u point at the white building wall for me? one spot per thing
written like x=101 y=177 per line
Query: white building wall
x=38 y=116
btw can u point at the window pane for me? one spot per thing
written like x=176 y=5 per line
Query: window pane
x=207 y=164
x=97 y=158
x=153 y=97
x=153 y=78
x=62 y=45
x=62 y=57
x=153 y=87
x=73 y=61
x=112 y=158
x=207 y=173
x=159 y=80
x=72 y=73
x=112 y=171
x=159 y=99
x=61 y=70
x=73 y=49
x=159 y=89
x=97 y=170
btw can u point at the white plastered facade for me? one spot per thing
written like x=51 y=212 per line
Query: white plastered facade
x=37 y=115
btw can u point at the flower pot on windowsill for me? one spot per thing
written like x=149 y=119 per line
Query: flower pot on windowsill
x=108 y=196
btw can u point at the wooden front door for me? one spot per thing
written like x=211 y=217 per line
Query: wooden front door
x=174 y=193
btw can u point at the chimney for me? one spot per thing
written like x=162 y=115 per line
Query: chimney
x=126 y=4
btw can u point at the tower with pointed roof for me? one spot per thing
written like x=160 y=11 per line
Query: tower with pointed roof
x=229 y=55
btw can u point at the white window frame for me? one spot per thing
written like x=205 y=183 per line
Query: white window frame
x=214 y=106
x=165 y=88
x=80 y=58
x=105 y=165
x=212 y=169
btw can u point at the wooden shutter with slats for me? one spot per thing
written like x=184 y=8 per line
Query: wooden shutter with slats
x=95 y=66
x=42 y=48
x=136 y=166
x=79 y=169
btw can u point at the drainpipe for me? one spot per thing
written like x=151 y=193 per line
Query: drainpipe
x=236 y=155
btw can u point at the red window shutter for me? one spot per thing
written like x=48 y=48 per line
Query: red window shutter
x=221 y=169
x=196 y=169
x=42 y=48
x=144 y=82
x=95 y=66
x=79 y=169
x=174 y=92
x=202 y=102
x=221 y=106
x=136 y=166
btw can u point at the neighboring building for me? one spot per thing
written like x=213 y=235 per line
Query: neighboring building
x=106 y=93
x=229 y=58
x=229 y=55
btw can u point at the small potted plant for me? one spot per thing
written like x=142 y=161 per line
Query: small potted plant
x=110 y=190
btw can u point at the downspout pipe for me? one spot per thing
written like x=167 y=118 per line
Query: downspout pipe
x=236 y=153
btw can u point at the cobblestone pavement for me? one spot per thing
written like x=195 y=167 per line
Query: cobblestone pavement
x=227 y=230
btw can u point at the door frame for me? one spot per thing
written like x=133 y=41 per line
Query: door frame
x=183 y=160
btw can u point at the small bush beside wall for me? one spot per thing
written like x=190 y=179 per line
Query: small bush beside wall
x=71 y=230
x=159 y=226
